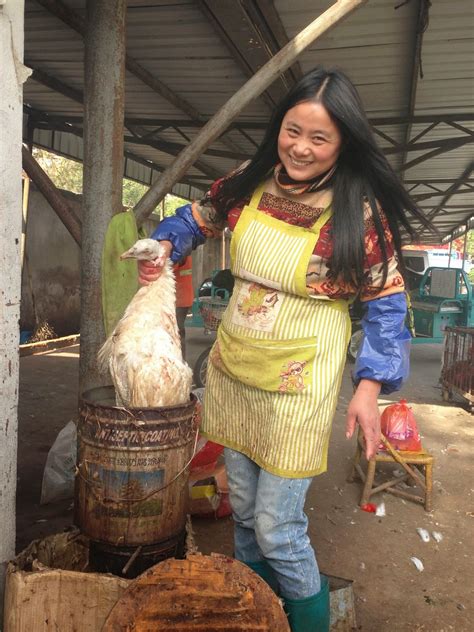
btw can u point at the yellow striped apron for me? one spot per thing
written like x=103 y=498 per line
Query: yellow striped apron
x=275 y=369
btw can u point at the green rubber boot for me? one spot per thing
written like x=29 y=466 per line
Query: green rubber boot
x=265 y=571
x=310 y=614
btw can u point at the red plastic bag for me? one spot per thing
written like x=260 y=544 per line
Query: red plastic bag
x=399 y=427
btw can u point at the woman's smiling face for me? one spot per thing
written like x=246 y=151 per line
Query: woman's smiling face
x=309 y=142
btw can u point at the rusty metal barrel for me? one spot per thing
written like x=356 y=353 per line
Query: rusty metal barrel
x=132 y=479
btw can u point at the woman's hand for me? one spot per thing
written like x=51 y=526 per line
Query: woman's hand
x=364 y=410
x=149 y=271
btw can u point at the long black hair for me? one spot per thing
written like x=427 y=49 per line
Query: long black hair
x=363 y=174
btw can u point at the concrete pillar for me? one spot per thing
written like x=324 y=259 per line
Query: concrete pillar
x=12 y=76
x=103 y=164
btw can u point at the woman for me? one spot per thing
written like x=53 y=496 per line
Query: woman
x=309 y=235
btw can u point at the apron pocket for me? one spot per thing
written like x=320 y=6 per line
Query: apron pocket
x=283 y=365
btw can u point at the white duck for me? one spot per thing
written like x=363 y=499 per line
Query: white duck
x=143 y=353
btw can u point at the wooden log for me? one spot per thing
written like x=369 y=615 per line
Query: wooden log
x=407 y=495
x=198 y=594
x=57 y=201
x=400 y=460
x=252 y=89
x=30 y=348
x=391 y=483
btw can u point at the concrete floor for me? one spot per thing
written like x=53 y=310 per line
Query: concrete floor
x=391 y=595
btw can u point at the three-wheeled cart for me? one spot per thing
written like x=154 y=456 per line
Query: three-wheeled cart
x=444 y=300
x=457 y=373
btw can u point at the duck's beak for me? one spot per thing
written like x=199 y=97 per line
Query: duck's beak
x=128 y=254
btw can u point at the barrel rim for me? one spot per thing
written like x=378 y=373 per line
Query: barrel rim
x=85 y=400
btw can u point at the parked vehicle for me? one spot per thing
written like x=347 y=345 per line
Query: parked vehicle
x=417 y=263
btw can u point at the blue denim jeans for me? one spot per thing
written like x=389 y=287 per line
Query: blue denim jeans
x=270 y=524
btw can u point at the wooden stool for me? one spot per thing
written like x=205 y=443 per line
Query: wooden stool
x=404 y=459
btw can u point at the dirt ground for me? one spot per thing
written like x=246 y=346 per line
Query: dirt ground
x=391 y=594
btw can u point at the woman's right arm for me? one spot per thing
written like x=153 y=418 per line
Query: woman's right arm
x=180 y=234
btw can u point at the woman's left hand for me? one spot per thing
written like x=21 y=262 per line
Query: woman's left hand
x=363 y=409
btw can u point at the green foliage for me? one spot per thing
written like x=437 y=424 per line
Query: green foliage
x=172 y=202
x=67 y=174
x=132 y=192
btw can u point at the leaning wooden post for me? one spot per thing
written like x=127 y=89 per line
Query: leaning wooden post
x=252 y=89
x=12 y=76
x=60 y=205
x=104 y=68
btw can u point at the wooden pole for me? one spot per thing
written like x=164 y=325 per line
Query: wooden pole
x=252 y=89
x=104 y=70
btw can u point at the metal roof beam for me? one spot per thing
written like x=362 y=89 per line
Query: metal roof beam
x=272 y=19
x=449 y=143
x=244 y=49
x=424 y=132
x=55 y=84
x=385 y=136
x=454 y=144
x=261 y=125
x=434 y=181
x=426 y=196
x=175 y=148
x=191 y=180
x=259 y=37
x=75 y=21
x=447 y=196
x=462 y=128
x=78 y=23
x=422 y=118
x=421 y=25
x=59 y=86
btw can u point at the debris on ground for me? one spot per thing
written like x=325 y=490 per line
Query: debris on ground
x=437 y=536
x=43 y=331
x=424 y=534
x=418 y=563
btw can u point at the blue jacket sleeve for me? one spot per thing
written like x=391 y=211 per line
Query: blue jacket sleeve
x=384 y=355
x=182 y=231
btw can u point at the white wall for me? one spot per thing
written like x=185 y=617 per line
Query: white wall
x=51 y=276
x=12 y=76
x=51 y=272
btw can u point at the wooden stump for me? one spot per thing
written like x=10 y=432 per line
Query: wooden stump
x=198 y=594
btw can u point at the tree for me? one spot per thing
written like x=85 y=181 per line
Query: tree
x=67 y=174
x=132 y=192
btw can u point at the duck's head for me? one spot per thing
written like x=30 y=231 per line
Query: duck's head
x=144 y=250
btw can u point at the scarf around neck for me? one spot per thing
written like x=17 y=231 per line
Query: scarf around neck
x=304 y=186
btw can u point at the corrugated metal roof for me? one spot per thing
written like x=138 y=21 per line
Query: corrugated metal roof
x=205 y=51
